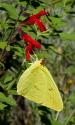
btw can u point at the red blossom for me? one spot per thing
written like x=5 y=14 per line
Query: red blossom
x=31 y=41
x=34 y=19
x=28 y=50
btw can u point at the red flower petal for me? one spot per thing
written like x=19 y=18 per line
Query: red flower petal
x=28 y=51
x=31 y=41
x=27 y=55
x=28 y=48
x=29 y=21
x=40 y=25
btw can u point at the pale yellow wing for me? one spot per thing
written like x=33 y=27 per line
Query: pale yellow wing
x=37 y=84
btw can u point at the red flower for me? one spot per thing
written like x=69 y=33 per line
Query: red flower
x=31 y=41
x=34 y=19
x=31 y=44
x=28 y=50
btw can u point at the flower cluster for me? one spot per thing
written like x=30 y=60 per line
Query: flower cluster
x=34 y=19
x=32 y=43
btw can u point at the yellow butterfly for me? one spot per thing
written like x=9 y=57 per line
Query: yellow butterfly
x=37 y=84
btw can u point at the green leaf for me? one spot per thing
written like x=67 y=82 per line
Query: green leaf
x=8 y=78
x=57 y=22
x=18 y=50
x=38 y=9
x=8 y=100
x=11 y=101
x=13 y=92
x=67 y=36
x=2 y=97
x=11 y=10
x=2 y=106
x=70 y=70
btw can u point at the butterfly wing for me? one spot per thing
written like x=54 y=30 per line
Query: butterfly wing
x=30 y=85
x=38 y=85
x=53 y=96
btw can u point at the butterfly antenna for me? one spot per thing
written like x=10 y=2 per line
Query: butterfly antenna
x=32 y=58
x=35 y=56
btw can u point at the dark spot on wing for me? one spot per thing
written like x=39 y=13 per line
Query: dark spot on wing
x=25 y=91
x=50 y=89
x=36 y=87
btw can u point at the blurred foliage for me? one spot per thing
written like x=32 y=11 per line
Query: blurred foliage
x=58 y=44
